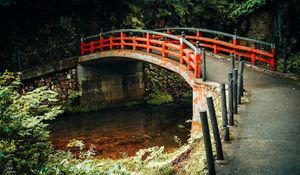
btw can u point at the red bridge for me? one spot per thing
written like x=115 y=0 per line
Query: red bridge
x=182 y=48
x=177 y=51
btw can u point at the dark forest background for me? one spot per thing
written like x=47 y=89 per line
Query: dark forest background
x=37 y=32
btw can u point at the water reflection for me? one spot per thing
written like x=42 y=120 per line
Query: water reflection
x=115 y=132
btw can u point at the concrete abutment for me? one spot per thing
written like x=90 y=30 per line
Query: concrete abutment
x=110 y=82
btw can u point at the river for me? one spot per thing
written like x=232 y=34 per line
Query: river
x=118 y=132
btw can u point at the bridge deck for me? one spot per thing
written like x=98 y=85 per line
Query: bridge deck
x=268 y=135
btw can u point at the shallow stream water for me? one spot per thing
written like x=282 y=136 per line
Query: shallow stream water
x=116 y=132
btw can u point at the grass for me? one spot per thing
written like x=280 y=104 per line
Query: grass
x=188 y=159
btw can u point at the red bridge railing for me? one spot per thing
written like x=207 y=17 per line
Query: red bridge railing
x=253 y=50
x=165 y=45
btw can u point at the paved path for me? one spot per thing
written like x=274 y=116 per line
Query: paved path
x=267 y=140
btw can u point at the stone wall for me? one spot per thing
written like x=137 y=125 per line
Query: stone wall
x=62 y=82
x=158 y=79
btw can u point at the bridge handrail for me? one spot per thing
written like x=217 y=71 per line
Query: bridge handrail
x=255 y=50
x=142 y=31
x=272 y=45
x=185 y=52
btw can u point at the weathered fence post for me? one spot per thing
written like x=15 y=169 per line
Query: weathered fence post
x=224 y=112
x=226 y=134
x=240 y=59
x=240 y=82
x=231 y=61
x=230 y=99
x=214 y=124
x=207 y=143
x=223 y=105
x=235 y=77
x=203 y=64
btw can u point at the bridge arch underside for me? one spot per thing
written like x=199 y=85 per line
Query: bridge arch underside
x=200 y=89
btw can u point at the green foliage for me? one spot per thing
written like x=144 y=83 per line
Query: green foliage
x=5 y=3
x=24 y=145
x=72 y=96
x=293 y=63
x=158 y=98
x=245 y=7
x=83 y=108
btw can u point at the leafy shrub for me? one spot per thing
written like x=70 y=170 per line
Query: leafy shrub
x=24 y=145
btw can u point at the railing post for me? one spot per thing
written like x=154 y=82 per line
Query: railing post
x=134 y=43
x=230 y=99
x=215 y=48
x=198 y=34
x=253 y=57
x=234 y=41
x=163 y=49
x=81 y=46
x=198 y=60
x=181 y=46
x=215 y=128
x=148 y=43
x=101 y=42
x=203 y=64
x=110 y=42
x=122 y=40
x=207 y=143
x=273 y=59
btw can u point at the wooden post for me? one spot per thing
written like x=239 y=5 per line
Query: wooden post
x=148 y=43
x=198 y=60
x=163 y=51
x=110 y=42
x=122 y=40
x=101 y=42
x=134 y=43
x=181 y=46
x=207 y=143
x=273 y=59
x=198 y=34
x=253 y=61
x=214 y=124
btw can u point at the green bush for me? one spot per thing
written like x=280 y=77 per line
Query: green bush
x=24 y=143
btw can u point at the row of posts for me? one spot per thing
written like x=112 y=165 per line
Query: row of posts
x=235 y=92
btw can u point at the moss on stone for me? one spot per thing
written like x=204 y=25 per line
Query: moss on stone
x=158 y=99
